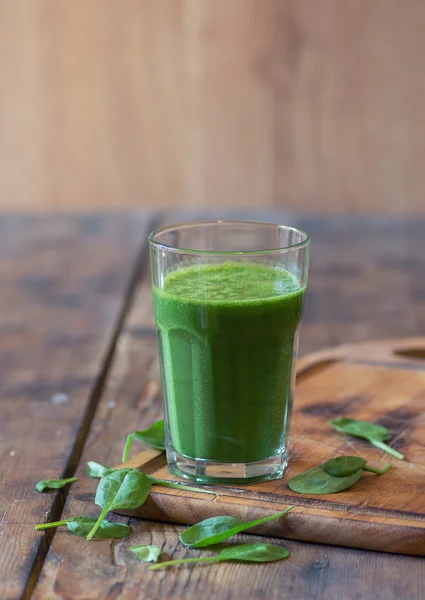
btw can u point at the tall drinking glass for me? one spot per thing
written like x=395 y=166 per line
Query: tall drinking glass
x=228 y=300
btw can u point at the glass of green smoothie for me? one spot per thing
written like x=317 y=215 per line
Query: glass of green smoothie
x=228 y=299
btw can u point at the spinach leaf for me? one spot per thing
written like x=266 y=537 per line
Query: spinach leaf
x=106 y=528
x=153 y=435
x=147 y=553
x=343 y=466
x=53 y=484
x=82 y=526
x=375 y=434
x=124 y=488
x=258 y=552
x=217 y=529
x=97 y=470
x=244 y=552
x=318 y=481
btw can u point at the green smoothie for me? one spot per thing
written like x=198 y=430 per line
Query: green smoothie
x=226 y=335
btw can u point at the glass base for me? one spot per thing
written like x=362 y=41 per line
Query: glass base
x=210 y=472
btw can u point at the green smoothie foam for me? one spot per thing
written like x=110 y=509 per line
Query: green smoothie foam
x=226 y=335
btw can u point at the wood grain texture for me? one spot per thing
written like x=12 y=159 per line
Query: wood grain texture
x=313 y=572
x=64 y=282
x=290 y=103
x=369 y=284
x=379 y=513
x=131 y=400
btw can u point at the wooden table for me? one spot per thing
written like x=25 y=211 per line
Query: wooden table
x=79 y=371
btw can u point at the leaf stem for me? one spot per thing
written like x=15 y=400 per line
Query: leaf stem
x=49 y=525
x=271 y=517
x=127 y=447
x=377 y=471
x=182 y=561
x=178 y=486
x=387 y=448
x=98 y=523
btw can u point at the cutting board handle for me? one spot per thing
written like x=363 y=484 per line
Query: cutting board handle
x=409 y=351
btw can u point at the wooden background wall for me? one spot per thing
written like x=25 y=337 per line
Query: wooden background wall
x=293 y=103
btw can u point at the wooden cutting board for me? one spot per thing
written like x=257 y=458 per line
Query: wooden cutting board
x=383 y=382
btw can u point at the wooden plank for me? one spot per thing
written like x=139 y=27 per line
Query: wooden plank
x=364 y=280
x=110 y=571
x=80 y=571
x=65 y=281
x=131 y=399
x=301 y=104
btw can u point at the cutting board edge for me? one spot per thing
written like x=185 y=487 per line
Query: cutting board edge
x=397 y=536
x=387 y=351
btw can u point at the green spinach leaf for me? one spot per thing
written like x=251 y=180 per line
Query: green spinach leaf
x=343 y=466
x=217 y=529
x=124 y=488
x=97 y=470
x=82 y=526
x=53 y=484
x=153 y=435
x=244 y=552
x=147 y=553
x=375 y=434
x=318 y=481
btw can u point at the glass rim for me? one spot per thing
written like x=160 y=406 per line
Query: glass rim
x=153 y=242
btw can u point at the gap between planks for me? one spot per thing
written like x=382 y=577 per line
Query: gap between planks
x=138 y=272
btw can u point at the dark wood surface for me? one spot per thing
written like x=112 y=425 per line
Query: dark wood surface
x=64 y=284
x=71 y=324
